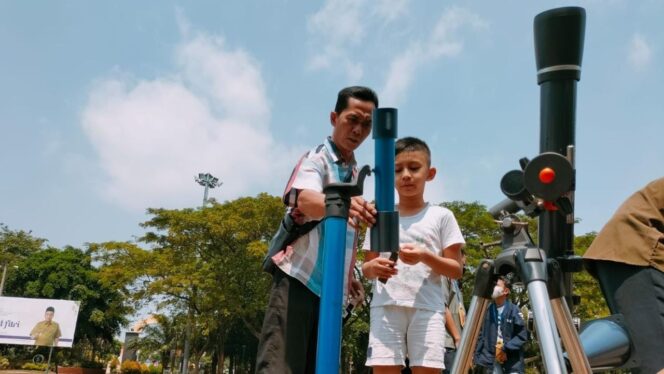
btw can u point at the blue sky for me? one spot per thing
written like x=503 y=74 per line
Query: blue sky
x=108 y=108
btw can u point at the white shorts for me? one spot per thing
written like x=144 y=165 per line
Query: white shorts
x=398 y=332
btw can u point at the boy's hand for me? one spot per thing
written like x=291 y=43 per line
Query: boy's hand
x=379 y=267
x=361 y=211
x=411 y=253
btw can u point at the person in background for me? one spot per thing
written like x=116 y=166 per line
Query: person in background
x=455 y=316
x=500 y=344
x=47 y=332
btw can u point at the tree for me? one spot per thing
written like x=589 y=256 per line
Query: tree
x=68 y=274
x=205 y=263
x=15 y=246
x=592 y=304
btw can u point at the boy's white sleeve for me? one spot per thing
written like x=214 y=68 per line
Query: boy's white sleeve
x=450 y=231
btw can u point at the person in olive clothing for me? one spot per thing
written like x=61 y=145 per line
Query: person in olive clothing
x=46 y=332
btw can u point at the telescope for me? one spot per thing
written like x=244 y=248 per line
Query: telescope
x=543 y=187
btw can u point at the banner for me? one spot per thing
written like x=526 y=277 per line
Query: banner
x=43 y=322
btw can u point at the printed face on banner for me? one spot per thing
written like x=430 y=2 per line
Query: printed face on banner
x=28 y=321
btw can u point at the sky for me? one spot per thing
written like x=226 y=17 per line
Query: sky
x=110 y=108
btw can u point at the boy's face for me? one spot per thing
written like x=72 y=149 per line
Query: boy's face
x=411 y=172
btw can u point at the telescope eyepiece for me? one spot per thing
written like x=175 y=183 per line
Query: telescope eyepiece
x=559 y=36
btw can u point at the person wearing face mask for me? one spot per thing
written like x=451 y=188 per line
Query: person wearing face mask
x=500 y=344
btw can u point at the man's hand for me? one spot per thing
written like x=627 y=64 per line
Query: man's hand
x=356 y=292
x=411 y=254
x=361 y=211
x=379 y=267
x=457 y=341
x=501 y=356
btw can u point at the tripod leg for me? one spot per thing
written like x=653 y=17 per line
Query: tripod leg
x=570 y=337
x=484 y=282
x=546 y=329
x=464 y=355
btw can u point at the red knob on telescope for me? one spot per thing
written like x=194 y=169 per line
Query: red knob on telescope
x=547 y=175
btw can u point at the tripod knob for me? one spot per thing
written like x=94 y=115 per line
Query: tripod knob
x=549 y=176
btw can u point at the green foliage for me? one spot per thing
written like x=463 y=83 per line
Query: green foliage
x=201 y=263
x=592 y=301
x=4 y=363
x=16 y=245
x=33 y=366
x=130 y=367
x=68 y=274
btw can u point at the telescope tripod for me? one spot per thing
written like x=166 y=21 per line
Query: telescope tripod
x=544 y=280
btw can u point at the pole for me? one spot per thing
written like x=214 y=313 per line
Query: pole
x=208 y=181
x=329 y=327
x=205 y=195
x=559 y=36
x=48 y=364
x=2 y=282
x=385 y=233
x=337 y=204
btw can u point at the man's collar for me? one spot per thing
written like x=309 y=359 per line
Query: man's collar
x=334 y=151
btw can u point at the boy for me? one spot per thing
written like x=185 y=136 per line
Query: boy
x=407 y=317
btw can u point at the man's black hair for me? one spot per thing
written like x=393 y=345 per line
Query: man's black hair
x=357 y=92
x=50 y=309
x=411 y=144
x=506 y=282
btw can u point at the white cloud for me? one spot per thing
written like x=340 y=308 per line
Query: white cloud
x=443 y=41
x=390 y=10
x=335 y=28
x=211 y=115
x=640 y=53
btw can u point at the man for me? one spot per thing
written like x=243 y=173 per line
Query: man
x=289 y=334
x=500 y=344
x=455 y=316
x=46 y=332
x=627 y=257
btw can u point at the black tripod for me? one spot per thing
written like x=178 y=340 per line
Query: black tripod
x=550 y=175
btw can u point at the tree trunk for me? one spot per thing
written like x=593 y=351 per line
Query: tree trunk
x=214 y=363
x=221 y=358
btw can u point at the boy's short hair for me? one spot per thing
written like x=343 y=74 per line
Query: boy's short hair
x=411 y=144
x=357 y=92
x=50 y=309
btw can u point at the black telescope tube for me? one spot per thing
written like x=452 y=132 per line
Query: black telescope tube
x=508 y=205
x=559 y=36
x=385 y=233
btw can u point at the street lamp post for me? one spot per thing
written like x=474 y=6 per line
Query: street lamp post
x=208 y=181
x=4 y=276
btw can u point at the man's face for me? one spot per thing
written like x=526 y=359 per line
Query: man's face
x=411 y=172
x=48 y=316
x=506 y=290
x=351 y=126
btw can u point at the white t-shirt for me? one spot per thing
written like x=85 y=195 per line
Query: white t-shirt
x=417 y=286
